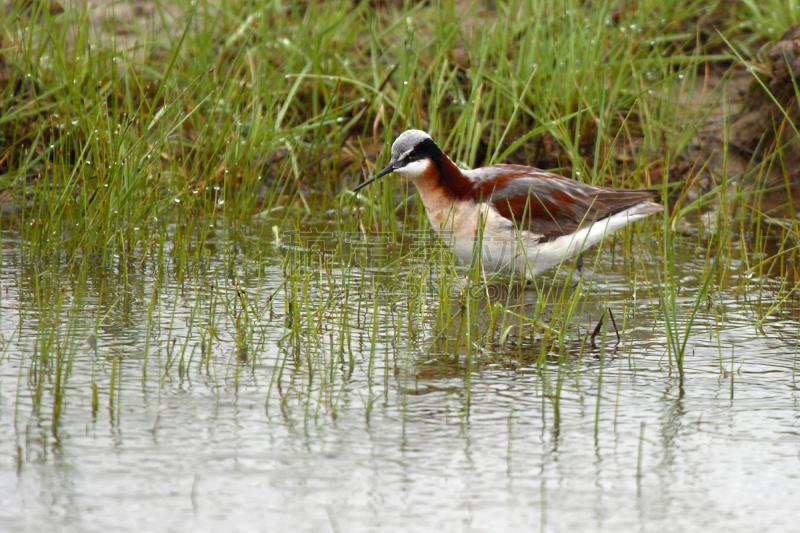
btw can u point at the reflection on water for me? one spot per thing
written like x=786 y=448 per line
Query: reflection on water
x=235 y=397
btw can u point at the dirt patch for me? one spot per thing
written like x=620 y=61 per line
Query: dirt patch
x=754 y=108
x=769 y=118
x=704 y=161
x=109 y=20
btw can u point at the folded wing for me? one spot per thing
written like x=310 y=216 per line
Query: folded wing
x=547 y=204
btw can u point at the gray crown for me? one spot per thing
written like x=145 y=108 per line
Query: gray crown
x=404 y=144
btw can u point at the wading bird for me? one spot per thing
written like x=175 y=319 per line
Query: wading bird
x=527 y=220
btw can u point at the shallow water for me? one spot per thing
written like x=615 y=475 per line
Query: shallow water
x=220 y=421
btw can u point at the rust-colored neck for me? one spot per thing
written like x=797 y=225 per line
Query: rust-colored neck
x=445 y=177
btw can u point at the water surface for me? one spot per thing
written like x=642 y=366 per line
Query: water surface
x=227 y=416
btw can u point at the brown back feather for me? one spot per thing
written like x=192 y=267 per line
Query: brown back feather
x=550 y=205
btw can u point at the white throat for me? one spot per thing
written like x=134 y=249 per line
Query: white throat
x=415 y=169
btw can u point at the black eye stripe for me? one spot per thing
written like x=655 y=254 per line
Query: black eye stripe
x=425 y=149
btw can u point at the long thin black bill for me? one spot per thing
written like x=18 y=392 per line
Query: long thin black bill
x=388 y=170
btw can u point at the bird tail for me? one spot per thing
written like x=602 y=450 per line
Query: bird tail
x=646 y=208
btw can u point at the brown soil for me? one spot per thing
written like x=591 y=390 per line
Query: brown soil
x=769 y=118
x=758 y=113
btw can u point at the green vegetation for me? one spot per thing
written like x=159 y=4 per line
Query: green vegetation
x=193 y=183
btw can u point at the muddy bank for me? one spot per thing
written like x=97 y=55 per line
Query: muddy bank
x=753 y=109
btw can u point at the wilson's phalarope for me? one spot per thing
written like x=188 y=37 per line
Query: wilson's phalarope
x=532 y=220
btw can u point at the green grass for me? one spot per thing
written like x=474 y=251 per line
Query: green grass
x=213 y=157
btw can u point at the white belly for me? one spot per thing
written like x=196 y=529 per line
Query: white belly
x=504 y=248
